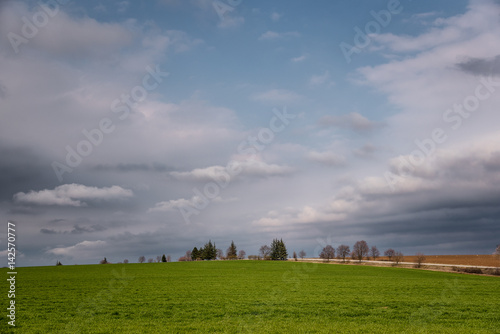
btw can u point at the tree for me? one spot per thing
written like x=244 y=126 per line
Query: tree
x=294 y=256
x=420 y=258
x=374 y=252
x=195 y=254
x=302 y=254
x=188 y=256
x=125 y=261
x=103 y=261
x=142 y=259
x=163 y=258
x=327 y=253
x=390 y=253
x=265 y=251
x=343 y=251
x=58 y=263
x=231 y=252
x=150 y=260
x=398 y=257
x=158 y=258
x=497 y=251
x=169 y=258
x=360 y=250
x=209 y=251
x=278 y=250
x=220 y=254
x=241 y=255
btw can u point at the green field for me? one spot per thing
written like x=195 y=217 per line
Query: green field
x=250 y=297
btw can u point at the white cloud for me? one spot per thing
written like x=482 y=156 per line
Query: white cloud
x=321 y=79
x=82 y=249
x=273 y=35
x=298 y=59
x=246 y=168
x=276 y=16
x=278 y=96
x=72 y=195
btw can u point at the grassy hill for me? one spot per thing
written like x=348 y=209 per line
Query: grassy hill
x=250 y=297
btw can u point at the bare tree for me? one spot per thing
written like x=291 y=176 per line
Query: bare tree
x=398 y=257
x=294 y=256
x=188 y=256
x=420 y=258
x=374 y=252
x=302 y=254
x=150 y=260
x=360 y=250
x=125 y=261
x=343 y=251
x=265 y=251
x=169 y=258
x=103 y=261
x=158 y=258
x=142 y=259
x=241 y=254
x=327 y=253
x=390 y=253
x=497 y=251
x=220 y=254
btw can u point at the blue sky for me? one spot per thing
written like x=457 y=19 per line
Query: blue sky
x=141 y=128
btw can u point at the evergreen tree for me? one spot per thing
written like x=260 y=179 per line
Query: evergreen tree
x=195 y=254
x=209 y=252
x=163 y=258
x=231 y=252
x=278 y=250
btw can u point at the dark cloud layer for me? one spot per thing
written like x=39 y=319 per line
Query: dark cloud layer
x=481 y=66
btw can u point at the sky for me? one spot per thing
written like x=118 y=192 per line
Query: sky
x=142 y=128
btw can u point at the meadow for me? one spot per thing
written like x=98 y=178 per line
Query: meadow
x=250 y=297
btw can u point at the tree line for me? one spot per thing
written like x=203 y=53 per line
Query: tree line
x=276 y=251
x=360 y=251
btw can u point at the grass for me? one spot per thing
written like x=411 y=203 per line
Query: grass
x=250 y=297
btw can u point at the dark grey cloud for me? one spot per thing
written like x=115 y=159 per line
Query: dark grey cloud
x=134 y=167
x=77 y=229
x=481 y=66
x=3 y=91
x=22 y=169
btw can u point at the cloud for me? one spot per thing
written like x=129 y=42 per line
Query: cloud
x=278 y=96
x=72 y=195
x=81 y=249
x=298 y=59
x=475 y=21
x=445 y=198
x=77 y=229
x=276 y=16
x=273 y=35
x=253 y=168
x=321 y=79
x=484 y=67
x=176 y=204
x=327 y=158
x=352 y=121
x=67 y=36
x=366 y=150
